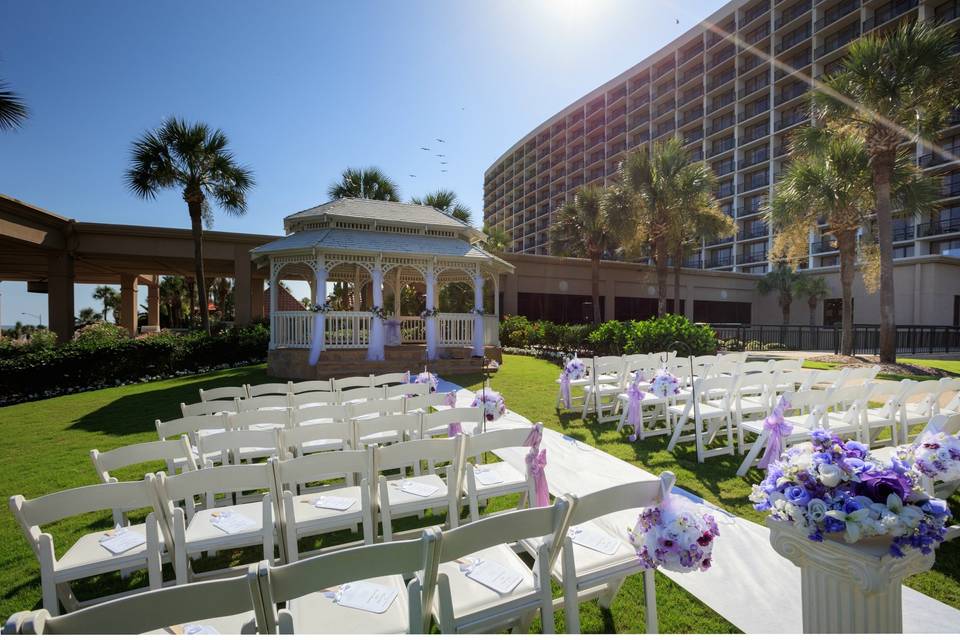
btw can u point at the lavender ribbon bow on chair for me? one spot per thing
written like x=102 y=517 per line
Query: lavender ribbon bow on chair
x=565 y=389
x=454 y=428
x=536 y=462
x=635 y=396
x=777 y=429
x=535 y=436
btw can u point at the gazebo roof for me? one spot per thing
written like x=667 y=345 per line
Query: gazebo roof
x=356 y=226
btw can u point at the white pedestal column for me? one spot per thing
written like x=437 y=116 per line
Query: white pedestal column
x=848 y=588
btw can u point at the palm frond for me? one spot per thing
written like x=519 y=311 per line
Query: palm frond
x=13 y=110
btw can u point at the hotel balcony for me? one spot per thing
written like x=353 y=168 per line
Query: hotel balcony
x=835 y=13
x=750 y=234
x=752 y=258
x=791 y=14
x=888 y=13
x=823 y=246
x=939 y=228
x=719 y=261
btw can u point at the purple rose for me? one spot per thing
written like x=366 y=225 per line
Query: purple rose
x=878 y=485
x=797 y=495
x=856 y=449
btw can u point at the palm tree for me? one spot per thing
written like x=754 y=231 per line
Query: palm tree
x=814 y=289
x=445 y=200
x=109 y=297
x=660 y=201
x=497 y=239
x=173 y=299
x=13 y=111
x=830 y=178
x=195 y=159
x=892 y=88
x=582 y=228
x=88 y=316
x=780 y=280
x=370 y=183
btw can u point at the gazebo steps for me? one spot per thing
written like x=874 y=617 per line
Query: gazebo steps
x=291 y=364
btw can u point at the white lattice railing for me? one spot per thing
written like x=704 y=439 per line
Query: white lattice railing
x=351 y=329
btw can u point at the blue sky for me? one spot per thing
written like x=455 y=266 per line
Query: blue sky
x=302 y=89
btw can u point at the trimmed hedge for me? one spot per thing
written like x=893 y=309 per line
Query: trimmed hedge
x=610 y=338
x=103 y=361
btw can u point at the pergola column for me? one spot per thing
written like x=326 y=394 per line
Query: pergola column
x=128 y=303
x=431 y=324
x=242 y=313
x=375 y=348
x=478 y=315
x=60 y=282
x=153 y=302
x=396 y=294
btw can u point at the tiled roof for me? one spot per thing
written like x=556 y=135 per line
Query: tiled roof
x=386 y=211
x=374 y=242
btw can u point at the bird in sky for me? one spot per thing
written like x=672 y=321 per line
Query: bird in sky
x=425 y=148
x=412 y=175
x=443 y=170
x=443 y=162
x=440 y=155
x=440 y=140
x=677 y=20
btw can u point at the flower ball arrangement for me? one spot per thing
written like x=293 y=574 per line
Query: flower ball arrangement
x=675 y=536
x=935 y=455
x=830 y=486
x=428 y=378
x=664 y=384
x=575 y=369
x=492 y=402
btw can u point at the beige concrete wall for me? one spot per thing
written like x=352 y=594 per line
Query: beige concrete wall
x=924 y=287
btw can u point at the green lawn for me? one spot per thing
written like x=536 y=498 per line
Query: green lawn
x=49 y=441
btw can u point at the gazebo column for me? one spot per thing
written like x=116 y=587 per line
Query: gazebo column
x=478 y=315
x=396 y=294
x=375 y=349
x=431 y=324
x=273 y=304
x=318 y=295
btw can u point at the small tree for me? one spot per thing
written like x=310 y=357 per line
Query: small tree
x=780 y=280
x=813 y=289
x=110 y=299
x=370 y=183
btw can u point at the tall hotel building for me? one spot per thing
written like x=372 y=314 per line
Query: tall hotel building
x=733 y=108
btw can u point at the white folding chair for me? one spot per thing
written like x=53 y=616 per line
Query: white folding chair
x=317 y=437
x=437 y=488
x=754 y=395
x=87 y=556
x=268 y=389
x=873 y=419
x=383 y=430
x=262 y=402
x=313 y=399
x=795 y=380
x=193 y=427
x=951 y=388
x=238 y=446
x=464 y=605
x=310 y=385
x=805 y=411
x=170 y=451
x=858 y=375
x=202 y=526
x=425 y=402
x=326 y=507
x=844 y=409
x=438 y=422
x=224 y=606
x=406 y=389
x=306 y=588
x=710 y=408
x=223 y=393
x=339 y=384
x=830 y=378
x=607 y=382
x=653 y=408
x=261 y=419
x=360 y=395
x=375 y=409
x=389 y=379
x=208 y=408
x=917 y=407
x=587 y=573
x=322 y=413
x=483 y=481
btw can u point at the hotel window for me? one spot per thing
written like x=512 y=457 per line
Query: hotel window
x=829 y=261
x=946 y=248
x=903 y=252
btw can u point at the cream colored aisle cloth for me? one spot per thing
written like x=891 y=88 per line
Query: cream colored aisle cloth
x=750 y=584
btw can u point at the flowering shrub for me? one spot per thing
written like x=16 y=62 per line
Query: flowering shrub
x=828 y=486
x=674 y=536
x=492 y=402
x=100 y=333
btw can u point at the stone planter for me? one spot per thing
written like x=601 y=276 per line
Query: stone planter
x=848 y=588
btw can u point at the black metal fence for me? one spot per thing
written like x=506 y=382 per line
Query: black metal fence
x=866 y=338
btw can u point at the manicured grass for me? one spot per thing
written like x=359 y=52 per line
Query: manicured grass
x=48 y=445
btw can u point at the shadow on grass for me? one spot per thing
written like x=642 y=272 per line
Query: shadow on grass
x=134 y=413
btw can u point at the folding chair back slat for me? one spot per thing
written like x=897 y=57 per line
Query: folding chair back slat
x=233 y=441
x=320 y=398
x=632 y=495
x=224 y=479
x=495 y=439
x=119 y=496
x=362 y=394
x=322 y=466
x=223 y=393
x=260 y=418
x=353 y=382
x=402 y=424
x=189 y=425
x=408 y=389
x=155 y=610
x=463 y=415
x=381 y=407
x=208 y=408
x=424 y=402
x=310 y=385
x=295 y=437
x=268 y=389
x=329 y=412
x=168 y=450
x=262 y=402
x=389 y=379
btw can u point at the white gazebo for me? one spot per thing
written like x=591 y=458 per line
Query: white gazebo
x=372 y=246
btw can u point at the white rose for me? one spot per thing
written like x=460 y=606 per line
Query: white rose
x=830 y=474
x=817 y=509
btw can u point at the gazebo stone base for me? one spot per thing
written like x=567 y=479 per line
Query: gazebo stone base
x=291 y=363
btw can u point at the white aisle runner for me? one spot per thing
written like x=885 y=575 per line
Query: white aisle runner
x=750 y=584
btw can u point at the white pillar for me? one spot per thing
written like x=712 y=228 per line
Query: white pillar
x=317 y=340
x=848 y=588
x=431 y=324
x=274 y=283
x=396 y=294
x=478 y=315
x=375 y=349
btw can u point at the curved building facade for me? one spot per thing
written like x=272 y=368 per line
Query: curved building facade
x=732 y=88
